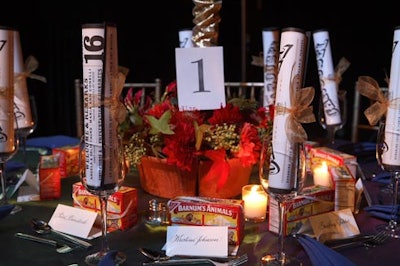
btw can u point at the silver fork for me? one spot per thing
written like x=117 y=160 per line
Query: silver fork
x=378 y=239
x=367 y=242
x=233 y=262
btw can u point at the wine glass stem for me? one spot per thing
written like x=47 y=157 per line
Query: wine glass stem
x=281 y=253
x=3 y=184
x=331 y=132
x=104 y=203
x=22 y=141
x=393 y=219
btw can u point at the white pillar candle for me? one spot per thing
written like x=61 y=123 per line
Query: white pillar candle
x=321 y=175
x=255 y=203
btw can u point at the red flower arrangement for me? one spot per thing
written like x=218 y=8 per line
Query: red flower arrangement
x=184 y=137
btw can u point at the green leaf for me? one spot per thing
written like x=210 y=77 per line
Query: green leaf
x=160 y=125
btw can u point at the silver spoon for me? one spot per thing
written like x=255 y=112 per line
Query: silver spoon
x=42 y=227
x=154 y=255
x=60 y=248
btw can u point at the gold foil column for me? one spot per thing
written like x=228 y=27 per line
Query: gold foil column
x=206 y=20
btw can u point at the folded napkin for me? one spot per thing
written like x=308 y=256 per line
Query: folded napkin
x=321 y=255
x=365 y=151
x=5 y=210
x=50 y=142
x=12 y=166
x=383 y=211
x=382 y=177
x=108 y=259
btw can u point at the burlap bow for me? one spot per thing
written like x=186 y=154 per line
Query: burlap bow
x=117 y=108
x=341 y=67
x=369 y=88
x=31 y=64
x=300 y=112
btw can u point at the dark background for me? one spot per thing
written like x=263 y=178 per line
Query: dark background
x=148 y=36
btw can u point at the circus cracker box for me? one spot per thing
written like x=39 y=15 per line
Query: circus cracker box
x=203 y=211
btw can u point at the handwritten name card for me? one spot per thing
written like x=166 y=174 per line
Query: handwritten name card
x=334 y=225
x=197 y=241
x=75 y=221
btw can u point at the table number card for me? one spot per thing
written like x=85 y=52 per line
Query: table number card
x=200 y=78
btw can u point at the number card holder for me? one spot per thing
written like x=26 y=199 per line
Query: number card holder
x=200 y=78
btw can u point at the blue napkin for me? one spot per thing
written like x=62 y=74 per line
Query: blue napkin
x=382 y=177
x=12 y=166
x=383 y=211
x=50 y=142
x=365 y=151
x=5 y=210
x=108 y=259
x=321 y=255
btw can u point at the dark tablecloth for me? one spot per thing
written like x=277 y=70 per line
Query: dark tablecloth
x=257 y=241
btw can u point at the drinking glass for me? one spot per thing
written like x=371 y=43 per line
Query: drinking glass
x=392 y=228
x=103 y=180
x=332 y=129
x=22 y=132
x=265 y=167
x=4 y=157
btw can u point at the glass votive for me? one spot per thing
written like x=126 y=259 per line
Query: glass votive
x=255 y=203
x=321 y=175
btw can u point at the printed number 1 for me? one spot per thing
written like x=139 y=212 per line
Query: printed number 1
x=201 y=75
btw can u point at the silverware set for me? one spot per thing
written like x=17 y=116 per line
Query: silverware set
x=60 y=248
x=367 y=241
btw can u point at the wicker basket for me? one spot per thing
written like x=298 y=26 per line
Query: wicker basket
x=237 y=178
x=167 y=181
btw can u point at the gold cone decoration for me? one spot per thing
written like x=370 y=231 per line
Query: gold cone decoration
x=206 y=20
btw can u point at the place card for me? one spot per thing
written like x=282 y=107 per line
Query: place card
x=75 y=221
x=334 y=225
x=210 y=241
x=32 y=190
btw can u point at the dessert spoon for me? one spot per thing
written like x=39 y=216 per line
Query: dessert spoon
x=41 y=227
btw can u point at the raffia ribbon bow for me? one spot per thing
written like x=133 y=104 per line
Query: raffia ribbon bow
x=31 y=64
x=369 y=88
x=341 y=67
x=117 y=108
x=300 y=112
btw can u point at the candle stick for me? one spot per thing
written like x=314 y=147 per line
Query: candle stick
x=255 y=203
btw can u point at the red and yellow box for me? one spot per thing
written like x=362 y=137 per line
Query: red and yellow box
x=121 y=206
x=68 y=162
x=314 y=200
x=203 y=211
x=334 y=157
x=49 y=177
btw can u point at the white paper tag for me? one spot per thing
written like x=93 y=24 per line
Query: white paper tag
x=189 y=240
x=75 y=221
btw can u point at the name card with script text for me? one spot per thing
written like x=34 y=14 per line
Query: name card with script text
x=75 y=221
x=211 y=241
x=334 y=225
